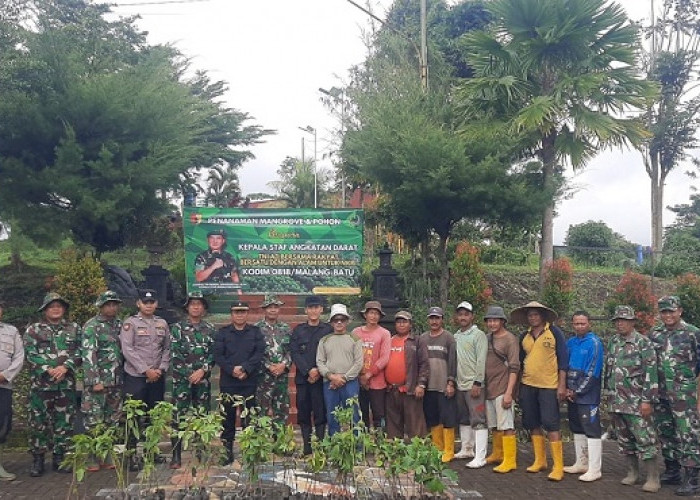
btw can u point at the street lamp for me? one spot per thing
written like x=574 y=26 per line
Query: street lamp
x=311 y=130
x=338 y=94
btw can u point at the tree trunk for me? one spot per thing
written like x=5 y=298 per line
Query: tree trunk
x=547 y=246
x=444 y=270
x=657 y=207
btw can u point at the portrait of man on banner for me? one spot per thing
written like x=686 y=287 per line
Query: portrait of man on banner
x=215 y=264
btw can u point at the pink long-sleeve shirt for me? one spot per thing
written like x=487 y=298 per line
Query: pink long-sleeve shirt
x=376 y=345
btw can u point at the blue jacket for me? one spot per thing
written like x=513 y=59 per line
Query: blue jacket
x=585 y=367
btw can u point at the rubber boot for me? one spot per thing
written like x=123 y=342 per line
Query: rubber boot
x=63 y=469
x=595 y=461
x=466 y=438
x=448 y=434
x=37 y=465
x=691 y=483
x=672 y=474
x=510 y=450
x=557 y=473
x=481 y=443
x=497 y=450
x=652 y=484
x=306 y=438
x=538 y=447
x=6 y=476
x=176 y=461
x=581 y=464
x=437 y=437
x=632 y=470
x=228 y=448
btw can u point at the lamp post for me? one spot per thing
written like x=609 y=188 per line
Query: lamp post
x=311 y=130
x=338 y=94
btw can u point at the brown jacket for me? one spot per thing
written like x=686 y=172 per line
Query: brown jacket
x=417 y=364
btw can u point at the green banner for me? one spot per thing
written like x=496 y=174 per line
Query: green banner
x=290 y=251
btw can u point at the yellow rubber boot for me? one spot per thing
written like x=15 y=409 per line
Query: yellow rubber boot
x=540 y=462
x=557 y=473
x=437 y=437
x=449 y=440
x=496 y=456
x=510 y=451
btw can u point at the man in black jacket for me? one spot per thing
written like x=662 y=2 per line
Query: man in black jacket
x=302 y=347
x=238 y=351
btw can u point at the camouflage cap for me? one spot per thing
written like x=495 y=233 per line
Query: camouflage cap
x=271 y=300
x=53 y=297
x=403 y=315
x=669 y=303
x=108 y=296
x=217 y=232
x=197 y=295
x=624 y=312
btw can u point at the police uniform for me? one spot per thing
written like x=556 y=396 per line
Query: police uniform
x=52 y=404
x=11 y=361
x=102 y=362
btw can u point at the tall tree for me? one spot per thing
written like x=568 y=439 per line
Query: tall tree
x=296 y=183
x=94 y=123
x=222 y=186
x=672 y=62
x=561 y=74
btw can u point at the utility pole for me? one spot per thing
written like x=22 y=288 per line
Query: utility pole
x=424 y=44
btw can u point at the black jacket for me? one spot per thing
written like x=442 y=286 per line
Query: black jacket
x=244 y=348
x=303 y=345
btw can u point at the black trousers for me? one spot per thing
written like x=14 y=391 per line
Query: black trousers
x=5 y=413
x=149 y=392
x=310 y=401
x=230 y=411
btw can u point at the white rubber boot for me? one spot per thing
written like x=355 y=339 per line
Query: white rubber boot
x=481 y=443
x=595 y=461
x=466 y=437
x=581 y=447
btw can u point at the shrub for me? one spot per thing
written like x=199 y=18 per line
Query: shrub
x=598 y=244
x=79 y=280
x=467 y=281
x=633 y=290
x=558 y=291
x=688 y=289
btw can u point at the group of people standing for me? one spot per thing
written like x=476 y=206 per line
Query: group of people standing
x=407 y=384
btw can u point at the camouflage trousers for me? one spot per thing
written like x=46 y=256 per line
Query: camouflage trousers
x=51 y=416
x=635 y=435
x=666 y=430
x=102 y=407
x=687 y=424
x=272 y=397
x=186 y=395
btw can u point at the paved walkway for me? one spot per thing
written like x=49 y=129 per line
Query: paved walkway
x=480 y=483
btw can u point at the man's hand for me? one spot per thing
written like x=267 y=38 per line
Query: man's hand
x=570 y=395
x=218 y=263
x=98 y=388
x=313 y=376
x=152 y=375
x=419 y=392
x=239 y=373
x=277 y=369
x=58 y=373
x=507 y=401
x=2 y=379
x=196 y=377
x=336 y=380
x=561 y=393
x=476 y=391
x=364 y=380
x=645 y=410
x=450 y=389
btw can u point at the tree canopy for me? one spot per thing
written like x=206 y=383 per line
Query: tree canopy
x=97 y=126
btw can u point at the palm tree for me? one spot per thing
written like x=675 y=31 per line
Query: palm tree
x=222 y=186
x=561 y=75
x=296 y=184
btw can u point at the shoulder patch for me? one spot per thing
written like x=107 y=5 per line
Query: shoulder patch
x=126 y=327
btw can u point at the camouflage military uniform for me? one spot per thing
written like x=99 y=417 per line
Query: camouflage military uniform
x=273 y=392
x=102 y=362
x=631 y=379
x=52 y=405
x=678 y=424
x=224 y=273
x=191 y=348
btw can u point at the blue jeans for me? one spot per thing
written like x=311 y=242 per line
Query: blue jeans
x=339 y=398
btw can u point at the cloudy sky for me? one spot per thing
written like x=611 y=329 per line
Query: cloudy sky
x=275 y=54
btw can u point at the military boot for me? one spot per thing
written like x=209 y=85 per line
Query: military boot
x=652 y=484
x=6 y=476
x=691 y=483
x=57 y=461
x=672 y=474
x=632 y=471
x=37 y=465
